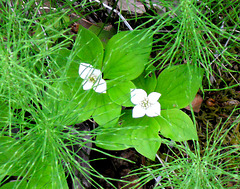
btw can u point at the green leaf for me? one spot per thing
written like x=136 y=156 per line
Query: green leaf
x=61 y=58
x=146 y=82
x=89 y=48
x=105 y=35
x=2 y=175
x=51 y=26
x=116 y=137
x=68 y=92
x=126 y=55
x=47 y=176
x=78 y=104
x=16 y=184
x=141 y=133
x=107 y=112
x=67 y=65
x=178 y=85
x=120 y=92
x=176 y=125
x=11 y=156
x=47 y=30
x=3 y=114
x=145 y=138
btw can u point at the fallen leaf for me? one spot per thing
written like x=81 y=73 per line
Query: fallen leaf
x=133 y=6
x=196 y=103
x=231 y=103
x=211 y=102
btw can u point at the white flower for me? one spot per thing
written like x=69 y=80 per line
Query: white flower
x=148 y=105
x=92 y=78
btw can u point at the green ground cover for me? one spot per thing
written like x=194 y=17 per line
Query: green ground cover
x=49 y=130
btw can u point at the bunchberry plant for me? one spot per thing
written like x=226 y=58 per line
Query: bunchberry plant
x=50 y=80
x=174 y=89
x=101 y=79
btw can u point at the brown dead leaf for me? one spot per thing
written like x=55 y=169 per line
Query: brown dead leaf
x=231 y=103
x=133 y=6
x=196 y=103
x=210 y=102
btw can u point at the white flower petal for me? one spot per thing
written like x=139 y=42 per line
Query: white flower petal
x=87 y=85
x=85 y=70
x=97 y=73
x=138 y=95
x=86 y=65
x=138 y=111
x=154 y=110
x=154 y=96
x=101 y=87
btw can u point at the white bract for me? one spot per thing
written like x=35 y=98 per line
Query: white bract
x=92 y=78
x=148 y=105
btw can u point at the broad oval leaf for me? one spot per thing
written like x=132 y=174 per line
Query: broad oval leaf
x=146 y=139
x=120 y=92
x=20 y=184
x=49 y=28
x=178 y=85
x=89 y=48
x=117 y=138
x=47 y=176
x=176 y=125
x=12 y=156
x=146 y=82
x=106 y=112
x=78 y=104
x=141 y=133
x=126 y=54
x=103 y=35
x=61 y=60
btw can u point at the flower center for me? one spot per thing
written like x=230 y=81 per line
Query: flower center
x=92 y=78
x=145 y=103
